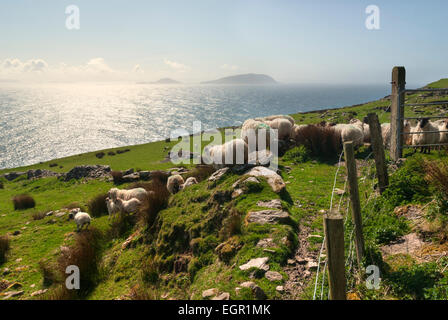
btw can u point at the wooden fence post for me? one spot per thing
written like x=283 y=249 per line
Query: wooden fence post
x=397 y=112
x=355 y=204
x=378 y=151
x=334 y=242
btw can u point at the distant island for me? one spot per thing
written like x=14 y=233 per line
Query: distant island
x=250 y=78
x=162 y=81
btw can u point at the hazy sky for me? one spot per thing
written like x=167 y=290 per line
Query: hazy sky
x=195 y=40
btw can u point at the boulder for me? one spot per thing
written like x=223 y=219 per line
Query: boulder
x=39 y=173
x=209 y=293
x=132 y=177
x=88 y=171
x=273 y=276
x=218 y=174
x=258 y=263
x=268 y=216
x=273 y=204
x=274 y=180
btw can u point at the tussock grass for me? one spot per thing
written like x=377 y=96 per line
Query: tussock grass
x=201 y=172
x=23 y=202
x=97 y=206
x=38 y=215
x=4 y=248
x=437 y=175
x=156 y=200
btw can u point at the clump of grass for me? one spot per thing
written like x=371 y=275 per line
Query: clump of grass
x=150 y=271
x=201 y=172
x=297 y=155
x=100 y=155
x=156 y=200
x=51 y=165
x=4 y=248
x=23 y=201
x=38 y=215
x=117 y=176
x=231 y=225
x=48 y=273
x=121 y=224
x=97 y=206
x=320 y=141
x=141 y=292
x=437 y=175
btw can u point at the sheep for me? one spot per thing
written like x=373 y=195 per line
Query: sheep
x=189 y=182
x=174 y=183
x=386 y=133
x=127 y=206
x=283 y=127
x=255 y=128
x=295 y=131
x=138 y=193
x=81 y=219
x=237 y=148
x=350 y=132
x=111 y=207
x=443 y=126
x=423 y=138
x=363 y=126
x=271 y=118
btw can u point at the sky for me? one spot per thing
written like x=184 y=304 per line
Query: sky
x=293 y=41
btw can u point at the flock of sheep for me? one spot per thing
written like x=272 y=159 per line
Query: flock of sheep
x=128 y=201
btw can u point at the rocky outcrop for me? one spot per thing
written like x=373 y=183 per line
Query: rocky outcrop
x=268 y=216
x=274 y=180
x=88 y=171
x=258 y=263
x=39 y=173
x=13 y=175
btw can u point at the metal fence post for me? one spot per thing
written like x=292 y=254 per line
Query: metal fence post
x=397 y=112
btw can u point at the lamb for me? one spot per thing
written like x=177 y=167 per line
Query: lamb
x=189 y=182
x=174 y=183
x=111 y=207
x=237 y=148
x=127 y=206
x=81 y=219
x=425 y=135
x=138 y=193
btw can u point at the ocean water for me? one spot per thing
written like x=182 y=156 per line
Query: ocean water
x=48 y=121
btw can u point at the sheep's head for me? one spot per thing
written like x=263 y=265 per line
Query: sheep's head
x=112 y=194
x=73 y=213
x=423 y=122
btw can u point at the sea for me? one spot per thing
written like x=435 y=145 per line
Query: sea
x=41 y=122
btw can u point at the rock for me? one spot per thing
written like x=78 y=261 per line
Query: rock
x=6 y=271
x=88 y=171
x=237 y=290
x=280 y=289
x=13 y=175
x=273 y=276
x=222 y=296
x=49 y=213
x=32 y=286
x=39 y=173
x=291 y=261
x=16 y=233
x=11 y=294
x=301 y=260
x=133 y=177
x=38 y=292
x=268 y=216
x=145 y=175
x=209 y=293
x=258 y=263
x=217 y=175
x=251 y=180
x=60 y=214
x=237 y=193
x=273 y=204
x=14 y=286
x=51 y=221
x=19 y=260
x=312 y=265
x=314 y=236
x=129 y=171
x=260 y=158
x=266 y=243
x=274 y=180
x=339 y=192
x=256 y=290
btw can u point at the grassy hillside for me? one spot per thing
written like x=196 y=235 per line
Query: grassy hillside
x=202 y=237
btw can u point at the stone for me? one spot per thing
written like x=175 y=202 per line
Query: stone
x=60 y=214
x=273 y=276
x=6 y=271
x=39 y=173
x=339 y=192
x=256 y=290
x=222 y=296
x=273 y=204
x=258 y=263
x=13 y=175
x=87 y=171
x=237 y=193
x=133 y=177
x=280 y=289
x=312 y=265
x=237 y=290
x=218 y=174
x=209 y=293
x=129 y=171
x=268 y=216
x=49 y=213
x=251 y=180
x=291 y=261
x=38 y=292
x=19 y=260
x=266 y=243
x=274 y=180
x=317 y=236
x=260 y=158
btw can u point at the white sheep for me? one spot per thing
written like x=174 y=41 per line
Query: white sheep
x=386 y=133
x=81 y=219
x=229 y=153
x=425 y=135
x=189 y=182
x=253 y=130
x=111 y=207
x=350 y=132
x=138 y=193
x=274 y=117
x=174 y=183
x=364 y=127
x=283 y=127
x=127 y=206
x=443 y=126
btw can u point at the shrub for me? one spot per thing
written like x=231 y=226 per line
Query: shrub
x=38 y=215
x=100 y=155
x=320 y=141
x=297 y=155
x=22 y=202
x=117 y=176
x=156 y=200
x=201 y=172
x=97 y=206
x=4 y=248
